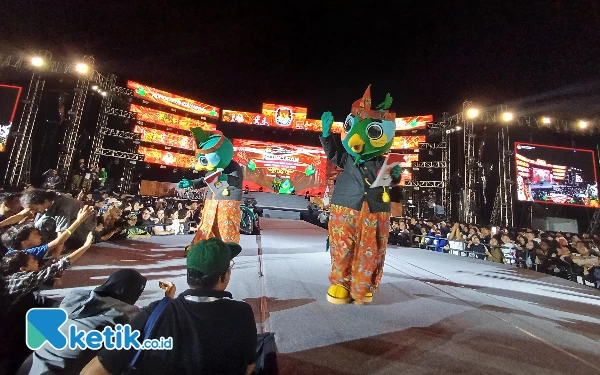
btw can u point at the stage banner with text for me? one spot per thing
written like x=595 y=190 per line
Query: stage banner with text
x=281 y=167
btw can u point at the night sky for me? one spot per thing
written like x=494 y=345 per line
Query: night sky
x=539 y=56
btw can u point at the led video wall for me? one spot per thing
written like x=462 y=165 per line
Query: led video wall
x=171 y=159
x=285 y=116
x=164 y=138
x=407 y=142
x=559 y=175
x=408 y=159
x=280 y=167
x=171 y=100
x=9 y=98
x=168 y=119
x=413 y=122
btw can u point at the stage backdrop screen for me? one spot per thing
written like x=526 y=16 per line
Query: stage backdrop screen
x=264 y=162
x=171 y=100
x=413 y=122
x=9 y=98
x=165 y=138
x=407 y=142
x=169 y=120
x=559 y=175
x=172 y=159
x=285 y=116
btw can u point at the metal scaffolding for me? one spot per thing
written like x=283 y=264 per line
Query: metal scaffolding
x=469 y=214
x=19 y=164
x=106 y=85
x=502 y=213
x=69 y=144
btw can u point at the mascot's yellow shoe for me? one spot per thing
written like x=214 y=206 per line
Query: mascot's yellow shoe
x=368 y=297
x=338 y=295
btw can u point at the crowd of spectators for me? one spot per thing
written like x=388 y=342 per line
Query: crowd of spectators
x=571 y=256
x=44 y=232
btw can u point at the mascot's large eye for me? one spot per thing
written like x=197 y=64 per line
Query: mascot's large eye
x=203 y=161
x=374 y=130
x=348 y=123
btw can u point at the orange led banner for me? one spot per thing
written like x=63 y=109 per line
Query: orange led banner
x=317 y=126
x=165 y=138
x=408 y=159
x=405 y=176
x=413 y=122
x=169 y=119
x=175 y=101
x=407 y=142
x=244 y=117
x=284 y=116
x=172 y=159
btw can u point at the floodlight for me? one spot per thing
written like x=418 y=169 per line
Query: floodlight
x=472 y=112
x=546 y=120
x=583 y=124
x=95 y=87
x=507 y=116
x=458 y=128
x=37 y=61
x=103 y=93
x=82 y=68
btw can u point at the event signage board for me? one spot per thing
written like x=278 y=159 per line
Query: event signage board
x=152 y=94
x=171 y=159
x=407 y=142
x=412 y=122
x=165 y=138
x=169 y=120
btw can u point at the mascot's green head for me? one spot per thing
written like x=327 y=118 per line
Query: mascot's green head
x=214 y=150
x=369 y=133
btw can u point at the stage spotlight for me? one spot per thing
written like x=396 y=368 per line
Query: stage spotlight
x=95 y=87
x=546 y=120
x=507 y=116
x=103 y=93
x=82 y=68
x=37 y=61
x=472 y=113
x=458 y=128
x=583 y=124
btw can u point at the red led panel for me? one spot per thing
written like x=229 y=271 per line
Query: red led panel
x=169 y=119
x=175 y=101
x=407 y=142
x=172 y=159
x=165 y=138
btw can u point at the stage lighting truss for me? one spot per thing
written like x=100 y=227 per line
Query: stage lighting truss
x=121 y=154
x=433 y=146
x=120 y=113
x=430 y=164
x=124 y=91
x=106 y=84
x=121 y=134
x=425 y=184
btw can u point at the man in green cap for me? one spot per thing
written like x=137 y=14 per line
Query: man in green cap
x=212 y=334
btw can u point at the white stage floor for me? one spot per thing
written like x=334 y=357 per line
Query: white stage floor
x=434 y=314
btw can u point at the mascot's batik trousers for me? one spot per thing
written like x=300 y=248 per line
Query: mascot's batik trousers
x=359 y=222
x=221 y=213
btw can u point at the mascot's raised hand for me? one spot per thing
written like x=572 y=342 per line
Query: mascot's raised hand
x=184 y=184
x=326 y=122
x=395 y=172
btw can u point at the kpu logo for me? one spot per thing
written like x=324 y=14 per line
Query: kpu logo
x=45 y=325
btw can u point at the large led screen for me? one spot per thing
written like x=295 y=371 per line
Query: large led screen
x=171 y=100
x=244 y=117
x=165 y=138
x=407 y=142
x=172 y=159
x=559 y=175
x=281 y=168
x=9 y=98
x=413 y=122
x=317 y=126
x=168 y=119
x=408 y=159
x=285 y=116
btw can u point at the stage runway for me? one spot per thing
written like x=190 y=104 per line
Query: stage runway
x=434 y=313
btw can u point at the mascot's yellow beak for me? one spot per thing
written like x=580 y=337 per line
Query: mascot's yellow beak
x=356 y=143
x=200 y=167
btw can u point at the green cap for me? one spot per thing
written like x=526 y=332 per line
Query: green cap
x=212 y=255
